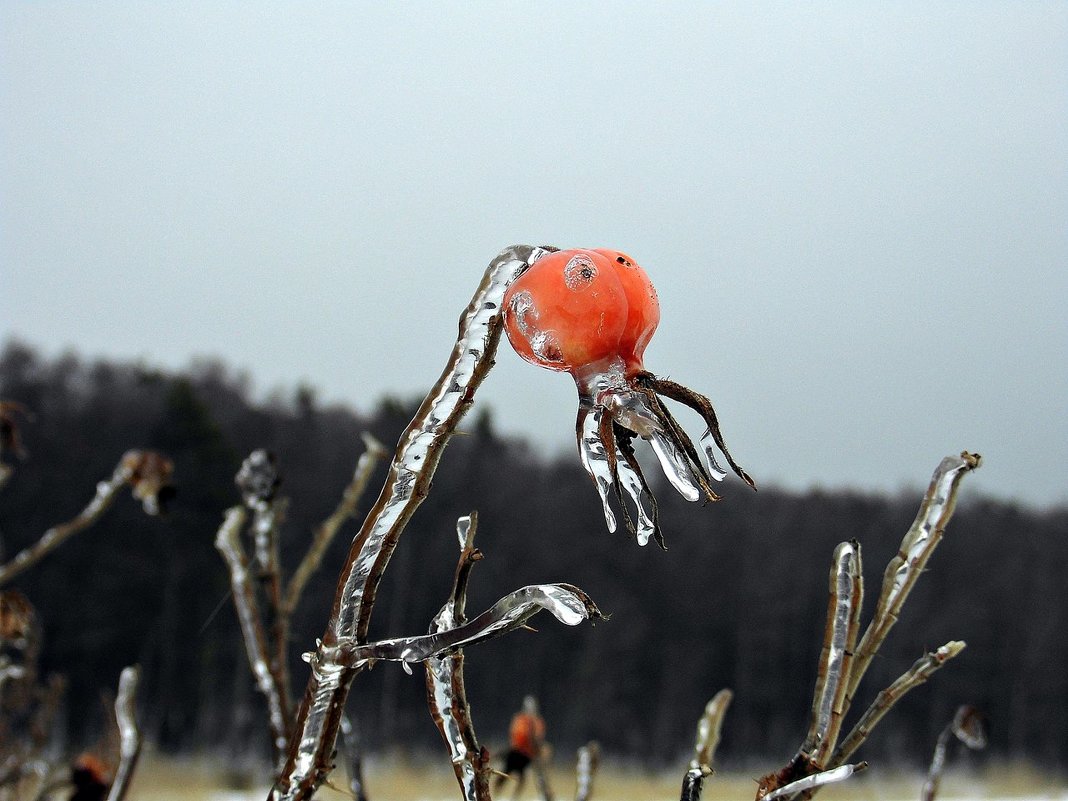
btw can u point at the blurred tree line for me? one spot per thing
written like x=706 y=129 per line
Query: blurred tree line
x=738 y=601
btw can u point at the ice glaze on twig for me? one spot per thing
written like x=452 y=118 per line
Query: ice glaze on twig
x=129 y=732
x=407 y=483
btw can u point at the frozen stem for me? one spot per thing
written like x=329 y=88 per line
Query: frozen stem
x=129 y=733
x=565 y=602
x=843 y=662
x=693 y=783
x=445 y=691
x=589 y=759
x=407 y=484
x=708 y=729
x=968 y=726
x=106 y=492
x=836 y=658
x=814 y=781
x=228 y=543
x=920 y=671
x=905 y=568
x=350 y=739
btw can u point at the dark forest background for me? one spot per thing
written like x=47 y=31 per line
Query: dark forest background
x=738 y=601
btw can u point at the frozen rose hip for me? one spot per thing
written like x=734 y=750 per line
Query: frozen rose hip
x=580 y=310
x=567 y=311
x=592 y=313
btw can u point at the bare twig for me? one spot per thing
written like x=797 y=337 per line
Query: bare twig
x=407 y=483
x=324 y=535
x=148 y=475
x=129 y=733
x=445 y=690
x=228 y=543
x=106 y=492
x=920 y=671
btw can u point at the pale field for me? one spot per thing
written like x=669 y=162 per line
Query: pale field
x=160 y=779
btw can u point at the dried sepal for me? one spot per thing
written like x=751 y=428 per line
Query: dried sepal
x=620 y=408
x=10 y=436
x=150 y=475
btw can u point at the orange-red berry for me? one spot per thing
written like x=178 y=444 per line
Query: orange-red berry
x=579 y=310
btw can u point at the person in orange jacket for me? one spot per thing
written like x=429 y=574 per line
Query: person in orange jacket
x=526 y=739
x=89 y=778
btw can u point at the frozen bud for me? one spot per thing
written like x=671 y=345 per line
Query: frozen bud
x=10 y=440
x=258 y=477
x=591 y=313
x=17 y=618
x=970 y=727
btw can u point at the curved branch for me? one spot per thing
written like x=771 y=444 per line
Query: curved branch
x=407 y=484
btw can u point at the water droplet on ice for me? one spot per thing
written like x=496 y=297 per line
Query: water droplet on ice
x=708 y=443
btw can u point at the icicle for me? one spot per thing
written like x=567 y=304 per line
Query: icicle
x=633 y=487
x=674 y=465
x=708 y=443
x=595 y=460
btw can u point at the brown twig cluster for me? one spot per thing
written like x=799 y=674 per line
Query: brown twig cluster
x=264 y=601
x=824 y=754
x=29 y=706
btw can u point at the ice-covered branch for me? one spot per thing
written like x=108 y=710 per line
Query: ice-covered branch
x=839 y=641
x=129 y=733
x=258 y=480
x=841 y=665
x=693 y=783
x=589 y=758
x=813 y=781
x=350 y=746
x=407 y=484
x=445 y=690
x=324 y=534
x=705 y=745
x=919 y=543
x=228 y=543
x=566 y=603
x=708 y=729
x=920 y=671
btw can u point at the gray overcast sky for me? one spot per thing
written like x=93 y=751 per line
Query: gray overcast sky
x=856 y=214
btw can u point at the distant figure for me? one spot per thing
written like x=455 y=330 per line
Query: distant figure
x=526 y=736
x=90 y=779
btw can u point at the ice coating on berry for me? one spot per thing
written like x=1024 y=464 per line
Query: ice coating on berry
x=591 y=313
x=579 y=272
